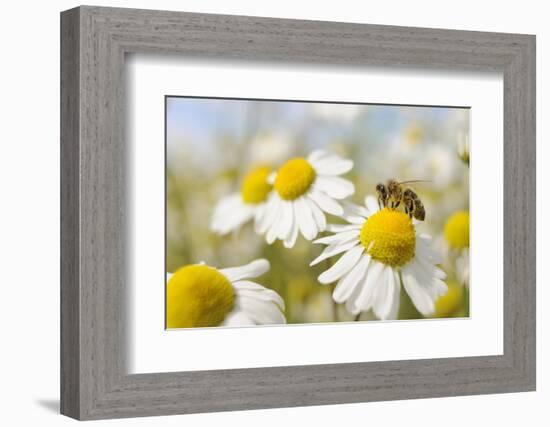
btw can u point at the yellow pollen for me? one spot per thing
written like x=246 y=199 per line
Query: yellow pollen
x=294 y=178
x=389 y=237
x=198 y=296
x=255 y=187
x=448 y=304
x=457 y=230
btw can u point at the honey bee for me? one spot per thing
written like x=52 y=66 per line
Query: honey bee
x=393 y=193
x=413 y=205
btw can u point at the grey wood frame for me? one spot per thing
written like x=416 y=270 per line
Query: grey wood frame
x=94 y=41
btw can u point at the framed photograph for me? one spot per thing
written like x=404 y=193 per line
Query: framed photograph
x=262 y=213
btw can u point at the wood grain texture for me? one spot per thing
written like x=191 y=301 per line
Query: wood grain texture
x=94 y=267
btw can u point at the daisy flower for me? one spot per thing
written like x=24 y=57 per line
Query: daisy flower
x=457 y=237
x=381 y=251
x=233 y=211
x=200 y=296
x=304 y=190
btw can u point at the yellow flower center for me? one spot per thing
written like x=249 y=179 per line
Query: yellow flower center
x=389 y=237
x=449 y=303
x=294 y=178
x=198 y=296
x=457 y=230
x=255 y=187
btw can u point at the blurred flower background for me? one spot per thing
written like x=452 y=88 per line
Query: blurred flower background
x=213 y=143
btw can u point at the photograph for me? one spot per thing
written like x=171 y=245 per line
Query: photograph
x=264 y=214
x=298 y=212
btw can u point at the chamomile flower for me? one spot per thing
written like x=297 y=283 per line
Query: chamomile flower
x=304 y=190
x=457 y=237
x=381 y=251
x=233 y=211
x=200 y=296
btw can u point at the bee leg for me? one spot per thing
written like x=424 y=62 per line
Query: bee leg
x=397 y=203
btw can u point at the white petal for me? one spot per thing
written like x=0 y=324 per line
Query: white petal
x=262 y=312
x=334 y=249
x=423 y=278
x=259 y=215
x=227 y=202
x=351 y=307
x=334 y=186
x=463 y=267
x=317 y=214
x=348 y=283
x=317 y=155
x=338 y=228
x=395 y=307
x=431 y=269
x=332 y=166
x=420 y=295
x=424 y=248
x=287 y=218
x=272 y=232
x=230 y=214
x=231 y=223
x=254 y=269
x=237 y=317
x=386 y=298
x=380 y=294
x=365 y=299
x=263 y=294
x=168 y=276
x=267 y=220
x=303 y=215
x=372 y=204
x=351 y=303
x=247 y=285
x=353 y=213
x=325 y=202
x=293 y=234
x=290 y=239
x=226 y=206
x=342 y=266
x=429 y=275
x=342 y=237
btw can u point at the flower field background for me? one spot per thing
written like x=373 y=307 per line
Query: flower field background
x=212 y=144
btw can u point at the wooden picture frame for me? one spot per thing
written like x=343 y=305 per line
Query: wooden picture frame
x=94 y=41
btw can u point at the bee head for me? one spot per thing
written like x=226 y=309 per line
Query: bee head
x=381 y=188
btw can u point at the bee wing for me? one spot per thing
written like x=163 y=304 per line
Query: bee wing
x=411 y=181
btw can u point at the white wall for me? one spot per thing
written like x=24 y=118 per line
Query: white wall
x=29 y=211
